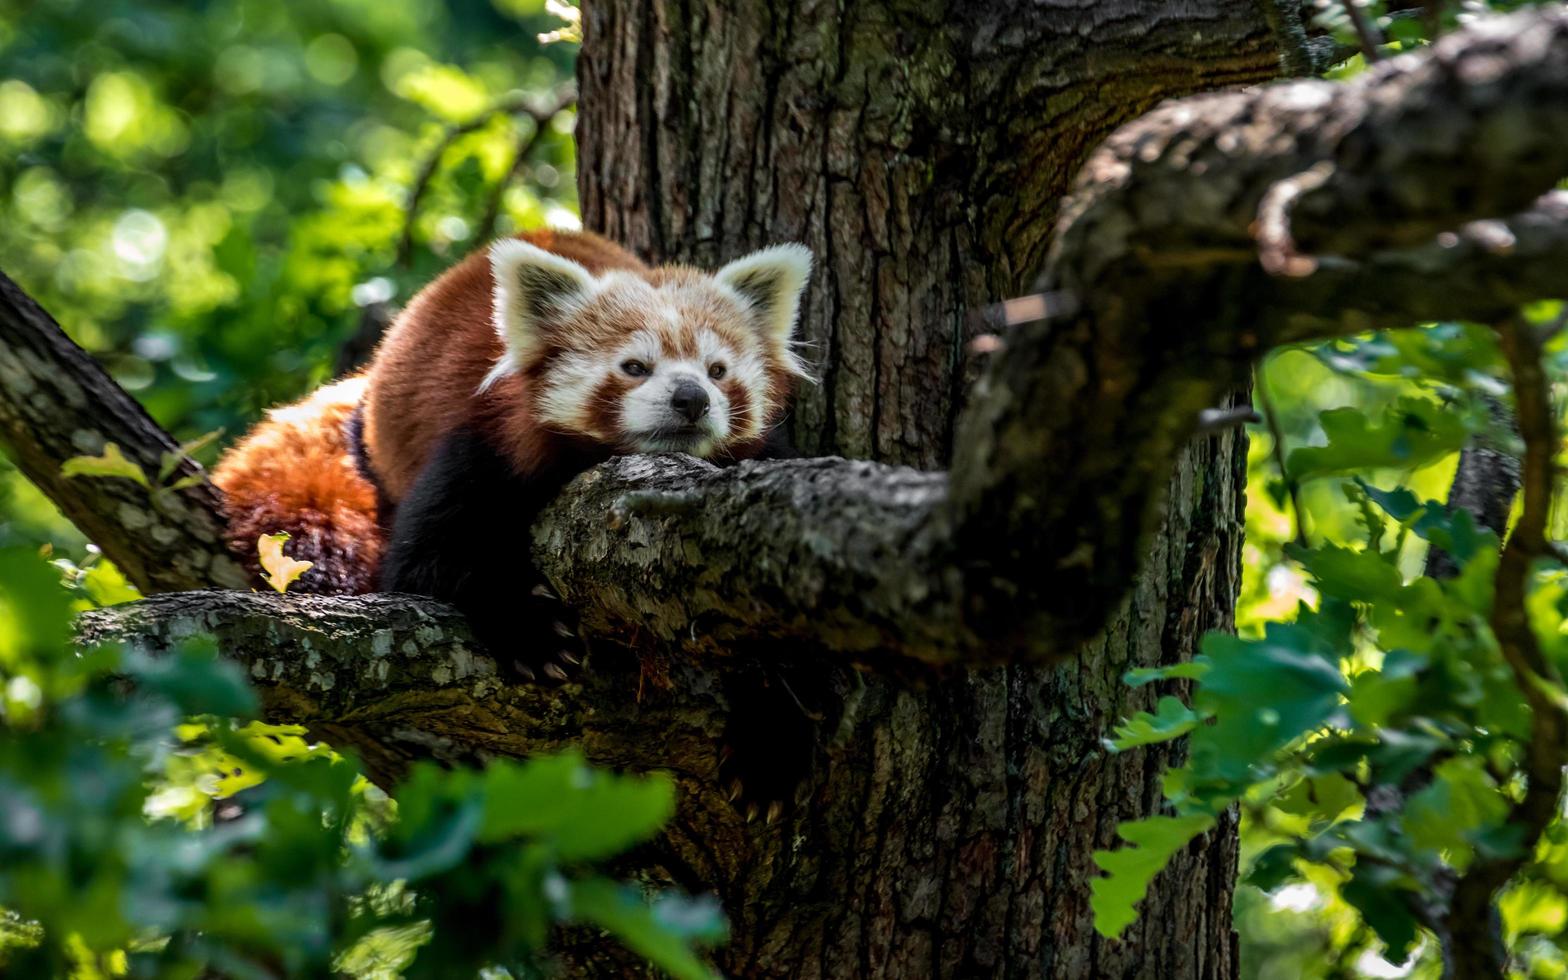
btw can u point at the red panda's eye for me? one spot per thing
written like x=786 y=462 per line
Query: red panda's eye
x=634 y=368
x=716 y=371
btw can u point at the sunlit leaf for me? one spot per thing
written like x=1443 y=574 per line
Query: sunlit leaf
x=1461 y=800
x=1190 y=670
x=279 y=570
x=110 y=463
x=1171 y=719
x=1152 y=842
x=583 y=812
x=1410 y=433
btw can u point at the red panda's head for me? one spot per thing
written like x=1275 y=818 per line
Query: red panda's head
x=671 y=359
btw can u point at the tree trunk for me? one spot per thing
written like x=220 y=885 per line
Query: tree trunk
x=920 y=150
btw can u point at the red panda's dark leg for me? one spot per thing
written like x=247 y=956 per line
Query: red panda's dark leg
x=462 y=535
x=777 y=444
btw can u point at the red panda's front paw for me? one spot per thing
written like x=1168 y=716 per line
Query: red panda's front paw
x=553 y=651
x=770 y=742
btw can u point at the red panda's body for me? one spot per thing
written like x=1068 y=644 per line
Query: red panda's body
x=514 y=370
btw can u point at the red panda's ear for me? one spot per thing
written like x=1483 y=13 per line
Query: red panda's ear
x=771 y=281
x=532 y=288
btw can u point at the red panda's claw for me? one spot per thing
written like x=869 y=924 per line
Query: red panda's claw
x=775 y=810
x=564 y=631
x=543 y=592
x=526 y=671
x=751 y=812
x=554 y=671
x=570 y=658
x=735 y=790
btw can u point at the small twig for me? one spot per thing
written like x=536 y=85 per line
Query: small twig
x=1277 y=251
x=1476 y=951
x=1212 y=420
x=542 y=118
x=510 y=106
x=1367 y=33
x=1277 y=436
x=1021 y=310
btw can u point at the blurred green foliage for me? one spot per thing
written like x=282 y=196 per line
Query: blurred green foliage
x=112 y=864
x=206 y=193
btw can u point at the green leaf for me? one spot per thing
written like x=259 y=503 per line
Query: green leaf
x=1321 y=798
x=1382 y=894
x=1361 y=575
x=1381 y=697
x=1397 y=753
x=1128 y=871
x=1262 y=695
x=34 y=610
x=585 y=813
x=1273 y=867
x=1278 y=492
x=111 y=463
x=1451 y=353
x=195 y=680
x=663 y=938
x=1171 y=719
x=1455 y=533
x=184 y=482
x=1461 y=800
x=1192 y=670
x=1411 y=433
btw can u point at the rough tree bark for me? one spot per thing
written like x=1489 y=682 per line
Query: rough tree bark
x=920 y=149
x=947 y=823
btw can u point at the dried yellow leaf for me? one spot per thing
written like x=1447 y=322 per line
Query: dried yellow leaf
x=280 y=570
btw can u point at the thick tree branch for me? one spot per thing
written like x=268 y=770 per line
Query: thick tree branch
x=56 y=403
x=827 y=551
x=396 y=678
x=1076 y=422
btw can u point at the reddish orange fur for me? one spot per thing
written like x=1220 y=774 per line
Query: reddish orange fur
x=294 y=473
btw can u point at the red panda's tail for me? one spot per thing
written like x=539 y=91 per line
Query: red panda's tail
x=295 y=472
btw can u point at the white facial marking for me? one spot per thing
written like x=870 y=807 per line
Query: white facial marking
x=663 y=318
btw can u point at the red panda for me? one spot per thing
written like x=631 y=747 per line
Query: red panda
x=516 y=369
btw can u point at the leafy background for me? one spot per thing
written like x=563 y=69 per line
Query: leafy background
x=209 y=195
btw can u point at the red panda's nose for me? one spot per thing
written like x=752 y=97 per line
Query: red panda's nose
x=690 y=401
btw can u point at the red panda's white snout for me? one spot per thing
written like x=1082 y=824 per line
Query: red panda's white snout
x=675 y=360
